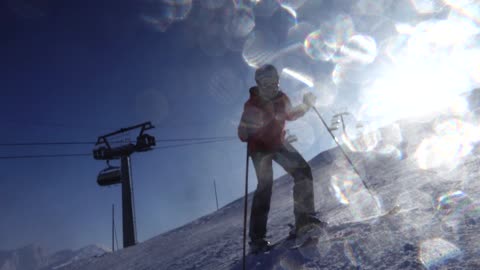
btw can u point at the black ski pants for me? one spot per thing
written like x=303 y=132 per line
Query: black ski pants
x=303 y=197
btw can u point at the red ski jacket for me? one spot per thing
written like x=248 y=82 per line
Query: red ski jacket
x=263 y=121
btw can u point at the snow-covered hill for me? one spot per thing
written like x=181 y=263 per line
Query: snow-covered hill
x=430 y=169
x=34 y=257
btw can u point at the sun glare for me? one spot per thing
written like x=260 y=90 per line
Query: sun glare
x=453 y=140
x=427 y=73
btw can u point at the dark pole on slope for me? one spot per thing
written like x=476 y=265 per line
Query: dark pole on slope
x=116 y=238
x=343 y=151
x=215 y=188
x=245 y=215
x=113 y=228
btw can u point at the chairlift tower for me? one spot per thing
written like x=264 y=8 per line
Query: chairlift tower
x=337 y=119
x=121 y=175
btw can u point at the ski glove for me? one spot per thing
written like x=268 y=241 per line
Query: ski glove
x=309 y=99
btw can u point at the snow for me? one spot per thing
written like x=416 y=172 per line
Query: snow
x=34 y=257
x=436 y=227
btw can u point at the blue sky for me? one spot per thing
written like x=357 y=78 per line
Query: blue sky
x=72 y=71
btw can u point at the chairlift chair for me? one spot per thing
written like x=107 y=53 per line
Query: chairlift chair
x=111 y=175
x=335 y=124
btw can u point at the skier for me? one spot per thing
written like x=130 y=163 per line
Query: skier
x=263 y=126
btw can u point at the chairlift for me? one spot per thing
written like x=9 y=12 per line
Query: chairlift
x=111 y=175
x=115 y=175
x=335 y=123
x=100 y=152
x=145 y=142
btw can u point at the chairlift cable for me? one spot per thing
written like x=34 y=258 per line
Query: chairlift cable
x=44 y=156
x=92 y=142
x=187 y=144
x=89 y=154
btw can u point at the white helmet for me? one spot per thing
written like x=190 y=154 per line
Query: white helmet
x=266 y=73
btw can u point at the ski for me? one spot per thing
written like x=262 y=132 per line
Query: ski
x=314 y=236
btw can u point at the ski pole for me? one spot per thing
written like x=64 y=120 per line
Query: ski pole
x=245 y=215
x=343 y=151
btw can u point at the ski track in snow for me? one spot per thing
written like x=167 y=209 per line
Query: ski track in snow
x=418 y=237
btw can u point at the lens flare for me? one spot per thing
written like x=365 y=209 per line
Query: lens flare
x=434 y=252
x=245 y=3
x=447 y=69
x=458 y=3
x=359 y=49
x=299 y=32
x=404 y=28
x=317 y=48
x=391 y=143
x=348 y=189
x=454 y=139
x=265 y=8
x=363 y=205
x=258 y=49
x=340 y=31
x=307 y=80
x=395 y=47
x=427 y=6
x=412 y=199
x=414 y=84
x=331 y=36
x=471 y=58
x=161 y=23
x=456 y=206
x=371 y=7
x=392 y=134
x=161 y=15
x=212 y=4
x=351 y=73
x=343 y=185
x=291 y=11
x=293 y=4
x=242 y=22
x=390 y=151
x=181 y=8
x=468 y=9
x=434 y=36
x=364 y=141
x=350 y=252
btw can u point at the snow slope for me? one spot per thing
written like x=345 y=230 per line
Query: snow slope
x=25 y=258
x=34 y=257
x=436 y=228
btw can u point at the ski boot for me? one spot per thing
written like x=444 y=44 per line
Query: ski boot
x=311 y=223
x=259 y=245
